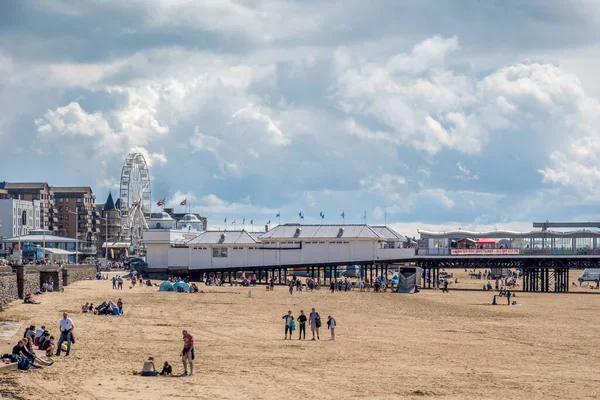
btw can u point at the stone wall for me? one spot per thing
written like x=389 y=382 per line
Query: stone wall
x=74 y=273
x=8 y=286
x=28 y=280
x=54 y=275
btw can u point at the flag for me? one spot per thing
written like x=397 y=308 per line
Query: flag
x=278 y=214
x=364 y=215
x=244 y=220
x=322 y=215
x=268 y=222
x=301 y=215
x=225 y=220
x=343 y=214
x=161 y=202
x=233 y=222
x=251 y=222
x=183 y=203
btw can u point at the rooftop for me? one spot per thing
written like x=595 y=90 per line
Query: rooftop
x=70 y=189
x=224 y=237
x=361 y=231
x=23 y=185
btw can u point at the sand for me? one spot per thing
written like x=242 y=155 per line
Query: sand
x=389 y=346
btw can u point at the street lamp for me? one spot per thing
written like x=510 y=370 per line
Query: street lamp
x=76 y=213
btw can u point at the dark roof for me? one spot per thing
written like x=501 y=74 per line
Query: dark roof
x=118 y=204
x=22 y=185
x=71 y=189
x=109 y=205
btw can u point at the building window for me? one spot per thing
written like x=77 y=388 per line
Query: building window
x=219 y=252
x=61 y=200
x=67 y=208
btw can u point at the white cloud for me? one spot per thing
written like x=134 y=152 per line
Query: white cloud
x=264 y=122
x=151 y=158
x=200 y=141
x=465 y=173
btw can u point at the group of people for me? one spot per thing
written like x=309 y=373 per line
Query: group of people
x=25 y=351
x=106 y=308
x=314 y=321
x=187 y=358
x=117 y=282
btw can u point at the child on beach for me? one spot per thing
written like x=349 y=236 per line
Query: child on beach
x=331 y=326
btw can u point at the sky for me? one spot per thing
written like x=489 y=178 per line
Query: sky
x=436 y=114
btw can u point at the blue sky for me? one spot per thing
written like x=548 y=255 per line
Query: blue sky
x=438 y=114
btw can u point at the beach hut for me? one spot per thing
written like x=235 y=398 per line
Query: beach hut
x=165 y=287
x=185 y=286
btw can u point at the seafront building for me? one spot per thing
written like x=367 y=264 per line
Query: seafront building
x=185 y=249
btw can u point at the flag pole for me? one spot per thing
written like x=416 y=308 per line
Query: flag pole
x=385 y=219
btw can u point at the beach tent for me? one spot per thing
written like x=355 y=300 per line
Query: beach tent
x=165 y=287
x=186 y=287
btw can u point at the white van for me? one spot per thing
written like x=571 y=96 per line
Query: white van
x=590 y=274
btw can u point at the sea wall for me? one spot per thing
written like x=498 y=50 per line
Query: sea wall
x=28 y=280
x=8 y=286
x=74 y=273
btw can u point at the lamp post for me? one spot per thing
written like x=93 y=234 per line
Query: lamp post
x=76 y=213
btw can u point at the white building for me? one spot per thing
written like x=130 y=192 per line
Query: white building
x=289 y=245
x=18 y=217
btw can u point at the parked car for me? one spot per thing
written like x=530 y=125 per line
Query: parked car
x=134 y=262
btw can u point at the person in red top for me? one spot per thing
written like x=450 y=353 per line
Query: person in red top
x=187 y=354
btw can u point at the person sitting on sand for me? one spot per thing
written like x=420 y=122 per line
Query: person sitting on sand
x=29 y=300
x=50 y=346
x=167 y=369
x=85 y=308
x=149 y=369
x=21 y=350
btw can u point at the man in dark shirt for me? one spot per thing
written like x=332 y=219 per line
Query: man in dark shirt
x=302 y=319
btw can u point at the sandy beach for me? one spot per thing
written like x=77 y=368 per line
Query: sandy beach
x=389 y=346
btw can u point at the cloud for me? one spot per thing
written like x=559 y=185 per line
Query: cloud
x=465 y=173
x=152 y=159
x=264 y=123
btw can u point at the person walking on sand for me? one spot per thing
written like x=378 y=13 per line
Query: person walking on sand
x=114 y=281
x=302 y=320
x=314 y=320
x=187 y=354
x=331 y=326
x=289 y=324
x=120 y=281
x=66 y=330
x=332 y=286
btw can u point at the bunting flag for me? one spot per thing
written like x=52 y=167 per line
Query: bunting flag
x=322 y=215
x=268 y=222
x=301 y=215
x=343 y=214
x=278 y=214
x=161 y=202
x=184 y=202
x=251 y=222
x=233 y=222
x=225 y=220
x=243 y=220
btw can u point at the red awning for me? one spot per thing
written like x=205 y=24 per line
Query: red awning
x=486 y=241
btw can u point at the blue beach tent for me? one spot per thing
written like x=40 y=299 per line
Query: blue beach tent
x=165 y=286
x=186 y=287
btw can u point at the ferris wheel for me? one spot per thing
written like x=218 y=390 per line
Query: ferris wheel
x=135 y=199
